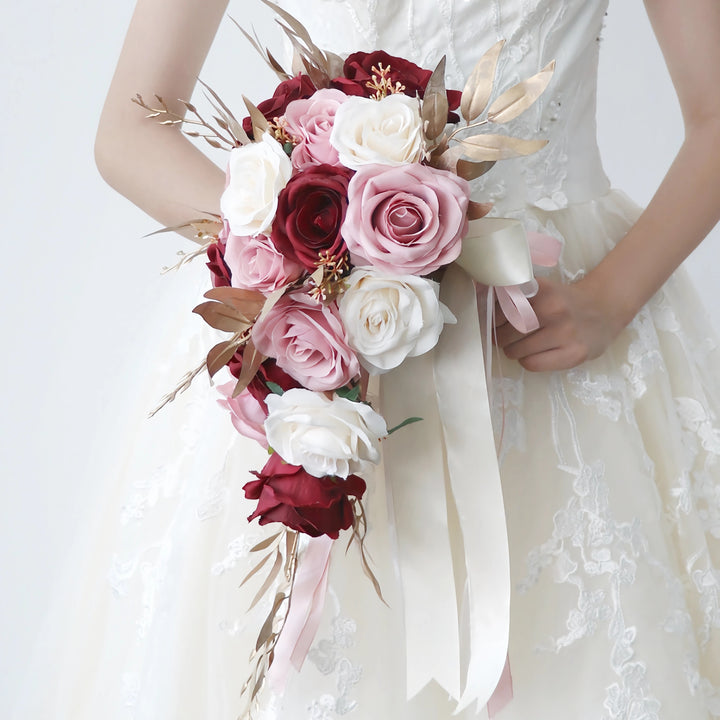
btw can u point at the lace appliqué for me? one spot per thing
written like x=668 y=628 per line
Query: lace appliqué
x=588 y=542
x=329 y=657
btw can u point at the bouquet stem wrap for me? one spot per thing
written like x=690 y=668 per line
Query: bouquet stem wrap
x=449 y=513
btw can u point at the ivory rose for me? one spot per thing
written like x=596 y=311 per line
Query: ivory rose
x=310 y=122
x=387 y=131
x=255 y=264
x=405 y=220
x=256 y=174
x=327 y=437
x=308 y=342
x=389 y=317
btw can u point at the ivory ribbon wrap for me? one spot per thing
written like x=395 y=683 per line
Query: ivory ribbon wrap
x=444 y=481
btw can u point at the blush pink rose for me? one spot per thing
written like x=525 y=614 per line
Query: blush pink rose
x=246 y=412
x=310 y=121
x=308 y=341
x=409 y=219
x=255 y=264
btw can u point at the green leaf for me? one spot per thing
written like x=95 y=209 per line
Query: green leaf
x=349 y=393
x=274 y=387
x=407 y=421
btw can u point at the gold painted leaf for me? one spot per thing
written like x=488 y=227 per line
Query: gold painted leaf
x=449 y=159
x=252 y=360
x=478 y=210
x=260 y=124
x=220 y=355
x=263 y=52
x=271 y=300
x=266 y=629
x=435 y=102
x=235 y=127
x=479 y=86
x=256 y=569
x=297 y=27
x=499 y=147
x=335 y=64
x=471 y=170
x=318 y=76
x=248 y=302
x=222 y=317
x=266 y=543
x=269 y=580
x=520 y=97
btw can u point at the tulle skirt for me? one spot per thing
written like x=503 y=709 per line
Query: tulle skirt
x=611 y=482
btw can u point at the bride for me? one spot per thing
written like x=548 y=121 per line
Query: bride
x=610 y=443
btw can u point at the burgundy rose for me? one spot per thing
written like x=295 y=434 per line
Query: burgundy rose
x=217 y=265
x=267 y=372
x=296 y=88
x=311 y=210
x=289 y=495
x=358 y=72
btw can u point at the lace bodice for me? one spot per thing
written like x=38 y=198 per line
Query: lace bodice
x=568 y=170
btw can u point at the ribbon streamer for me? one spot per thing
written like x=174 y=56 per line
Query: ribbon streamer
x=444 y=479
x=305 y=612
x=455 y=476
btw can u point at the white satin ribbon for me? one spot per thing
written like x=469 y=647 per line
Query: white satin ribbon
x=445 y=468
x=495 y=251
x=449 y=457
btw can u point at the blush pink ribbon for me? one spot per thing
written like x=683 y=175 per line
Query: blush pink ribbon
x=305 y=612
x=513 y=299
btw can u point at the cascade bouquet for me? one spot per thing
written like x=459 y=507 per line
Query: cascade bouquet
x=347 y=194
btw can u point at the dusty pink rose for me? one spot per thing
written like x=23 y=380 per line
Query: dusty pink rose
x=255 y=264
x=308 y=341
x=247 y=414
x=409 y=219
x=311 y=121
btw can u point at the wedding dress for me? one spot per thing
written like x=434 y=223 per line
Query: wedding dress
x=610 y=472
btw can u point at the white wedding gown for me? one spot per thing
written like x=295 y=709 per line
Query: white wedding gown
x=610 y=473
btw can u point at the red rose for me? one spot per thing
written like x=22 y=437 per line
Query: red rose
x=315 y=506
x=311 y=209
x=267 y=372
x=358 y=72
x=216 y=262
x=299 y=87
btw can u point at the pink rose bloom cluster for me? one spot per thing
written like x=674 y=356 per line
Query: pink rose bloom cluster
x=353 y=185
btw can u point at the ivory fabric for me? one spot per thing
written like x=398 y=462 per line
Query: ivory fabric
x=610 y=479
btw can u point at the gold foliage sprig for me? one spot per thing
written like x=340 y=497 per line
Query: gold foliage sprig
x=281 y=553
x=223 y=132
x=474 y=155
x=320 y=65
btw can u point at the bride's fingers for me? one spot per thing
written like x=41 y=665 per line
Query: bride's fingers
x=562 y=358
x=505 y=334
x=537 y=342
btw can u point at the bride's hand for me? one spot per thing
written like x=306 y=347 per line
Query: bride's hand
x=577 y=323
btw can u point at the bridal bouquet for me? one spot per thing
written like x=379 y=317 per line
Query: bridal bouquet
x=347 y=194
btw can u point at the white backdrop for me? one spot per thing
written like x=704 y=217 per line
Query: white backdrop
x=81 y=292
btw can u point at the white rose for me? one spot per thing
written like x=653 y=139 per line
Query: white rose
x=390 y=317
x=327 y=437
x=387 y=131
x=257 y=174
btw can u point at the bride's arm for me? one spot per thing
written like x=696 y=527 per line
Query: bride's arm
x=579 y=321
x=154 y=166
